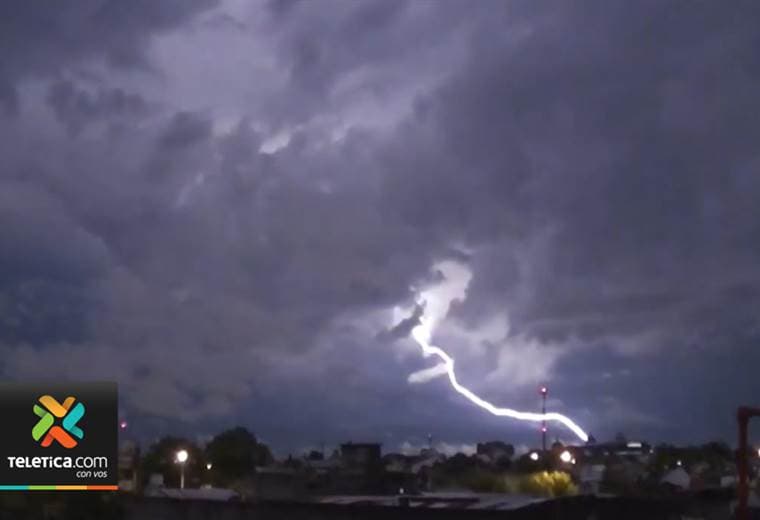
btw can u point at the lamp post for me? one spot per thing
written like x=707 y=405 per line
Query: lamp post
x=181 y=459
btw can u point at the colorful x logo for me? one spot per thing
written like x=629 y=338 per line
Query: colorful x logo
x=48 y=431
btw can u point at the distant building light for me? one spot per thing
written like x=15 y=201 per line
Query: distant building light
x=534 y=456
x=758 y=452
x=679 y=463
x=565 y=456
x=634 y=445
x=209 y=466
x=572 y=461
x=123 y=425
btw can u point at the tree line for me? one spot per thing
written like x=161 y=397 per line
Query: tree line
x=229 y=458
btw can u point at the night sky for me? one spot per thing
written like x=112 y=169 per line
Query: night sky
x=231 y=209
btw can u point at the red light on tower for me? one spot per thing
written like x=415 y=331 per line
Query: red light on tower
x=543 y=390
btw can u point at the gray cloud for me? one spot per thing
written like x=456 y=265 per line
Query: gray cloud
x=40 y=39
x=593 y=166
x=76 y=108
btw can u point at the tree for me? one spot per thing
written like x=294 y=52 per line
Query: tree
x=161 y=459
x=315 y=455
x=716 y=454
x=524 y=464
x=234 y=454
x=551 y=484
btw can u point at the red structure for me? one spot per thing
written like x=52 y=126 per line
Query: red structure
x=743 y=415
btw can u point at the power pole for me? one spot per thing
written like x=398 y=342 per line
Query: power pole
x=544 y=391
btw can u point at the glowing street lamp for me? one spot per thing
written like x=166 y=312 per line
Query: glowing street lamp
x=565 y=456
x=181 y=459
x=534 y=456
x=209 y=466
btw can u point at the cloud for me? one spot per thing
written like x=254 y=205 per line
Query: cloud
x=77 y=108
x=598 y=185
x=425 y=375
x=42 y=40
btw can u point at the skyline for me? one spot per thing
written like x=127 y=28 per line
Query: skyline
x=232 y=208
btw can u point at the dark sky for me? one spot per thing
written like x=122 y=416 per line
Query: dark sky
x=228 y=208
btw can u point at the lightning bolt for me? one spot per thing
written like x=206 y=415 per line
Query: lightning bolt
x=422 y=334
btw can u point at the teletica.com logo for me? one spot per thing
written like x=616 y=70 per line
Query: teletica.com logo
x=46 y=431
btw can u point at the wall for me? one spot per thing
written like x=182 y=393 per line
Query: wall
x=85 y=506
x=570 y=509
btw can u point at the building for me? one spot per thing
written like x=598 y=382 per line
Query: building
x=631 y=450
x=279 y=483
x=129 y=457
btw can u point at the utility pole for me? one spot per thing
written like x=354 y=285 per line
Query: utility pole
x=544 y=391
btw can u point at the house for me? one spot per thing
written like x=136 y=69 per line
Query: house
x=204 y=493
x=631 y=450
x=129 y=457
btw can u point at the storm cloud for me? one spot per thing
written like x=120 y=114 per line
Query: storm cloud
x=231 y=208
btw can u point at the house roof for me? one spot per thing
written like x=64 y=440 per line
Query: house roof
x=463 y=500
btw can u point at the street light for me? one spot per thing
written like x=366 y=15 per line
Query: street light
x=181 y=459
x=565 y=456
x=209 y=466
x=534 y=456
